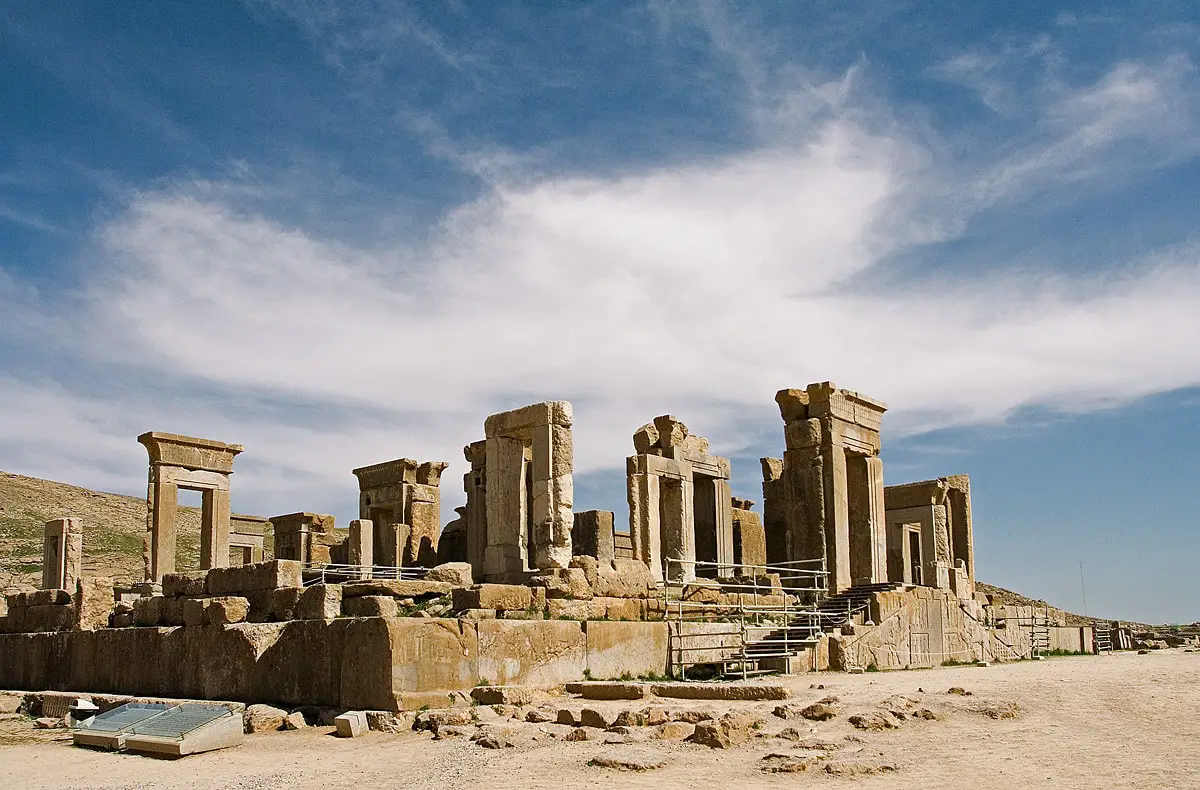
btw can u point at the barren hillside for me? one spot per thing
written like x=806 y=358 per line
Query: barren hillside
x=113 y=526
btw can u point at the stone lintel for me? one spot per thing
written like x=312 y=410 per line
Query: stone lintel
x=401 y=470
x=190 y=452
x=303 y=522
x=520 y=420
x=248 y=525
x=918 y=494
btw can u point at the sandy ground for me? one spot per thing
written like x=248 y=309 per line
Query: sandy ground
x=1114 y=721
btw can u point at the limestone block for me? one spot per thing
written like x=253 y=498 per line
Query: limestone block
x=396 y=588
x=589 y=566
x=502 y=695
x=223 y=610
x=563 y=583
x=615 y=649
x=567 y=609
x=41 y=618
x=351 y=724
x=148 y=611
x=190 y=584
x=645 y=438
x=93 y=602
x=515 y=652
x=626 y=579
x=430 y=472
x=263 y=718
x=284 y=602
x=772 y=469
x=592 y=535
x=39 y=598
x=259 y=576
x=671 y=432
x=802 y=433
x=319 y=602
x=505 y=597
x=369 y=606
x=457 y=574
x=793 y=404
x=624 y=608
x=428 y=659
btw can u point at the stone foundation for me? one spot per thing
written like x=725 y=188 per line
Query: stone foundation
x=376 y=663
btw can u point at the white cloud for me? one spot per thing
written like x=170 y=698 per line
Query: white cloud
x=698 y=289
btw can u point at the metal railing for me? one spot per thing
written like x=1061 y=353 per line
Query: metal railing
x=773 y=613
x=336 y=573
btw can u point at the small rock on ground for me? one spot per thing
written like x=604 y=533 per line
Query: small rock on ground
x=628 y=760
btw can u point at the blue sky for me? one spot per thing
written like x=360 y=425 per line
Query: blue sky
x=340 y=233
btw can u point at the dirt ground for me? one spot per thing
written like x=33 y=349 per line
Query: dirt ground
x=1122 y=720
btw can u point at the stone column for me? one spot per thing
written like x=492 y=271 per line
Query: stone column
x=62 y=554
x=553 y=495
x=164 y=500
x=724 y=525
x=678 y=542
x=505 y=550
x=837 y=519
x=878 y=518
x=360 y=546
x=475 y=486
x=645 y=529
x=214 y=529
x=592 y=536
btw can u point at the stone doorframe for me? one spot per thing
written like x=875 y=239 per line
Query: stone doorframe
x=192 y=464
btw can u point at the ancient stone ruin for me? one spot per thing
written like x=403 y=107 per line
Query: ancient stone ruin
x=396 y=612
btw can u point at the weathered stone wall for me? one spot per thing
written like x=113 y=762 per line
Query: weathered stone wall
x=373 y=663
x=924 y=627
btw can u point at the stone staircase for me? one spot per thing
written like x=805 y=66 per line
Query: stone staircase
x=804 y=630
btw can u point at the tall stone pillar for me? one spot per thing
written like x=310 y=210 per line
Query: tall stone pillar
x=360 y=546
x=837 y=519
x=878 y=518
x=678 y=522
x=724 y=526
x=165 y=498
x=475 y=515
x=62 y=554
x=214 y=529
x=506 y=514
x=645 y=528
x=553 y=495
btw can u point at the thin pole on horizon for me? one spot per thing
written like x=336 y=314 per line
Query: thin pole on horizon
x=1083 y=586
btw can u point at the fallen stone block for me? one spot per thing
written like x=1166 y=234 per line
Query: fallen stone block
x=269 y=575
x=873 y=722
x=505 y=597
x=591 y=717
x=674 y=731
x=502 y=695
x=319 y=602
x=602 y=690
x=263 y=718
x=396 y=588
x=628 y=760
x=369 y=606
x=184 y=585
x=436 y=720
x=351 y=724
x=294 y=721
x=224 y=610
x=386 y=721
x=457 y=574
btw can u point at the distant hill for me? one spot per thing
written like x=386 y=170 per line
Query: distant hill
x=113 y=525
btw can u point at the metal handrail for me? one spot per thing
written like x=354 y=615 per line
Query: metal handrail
x=750 y=617
x=321 y=572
